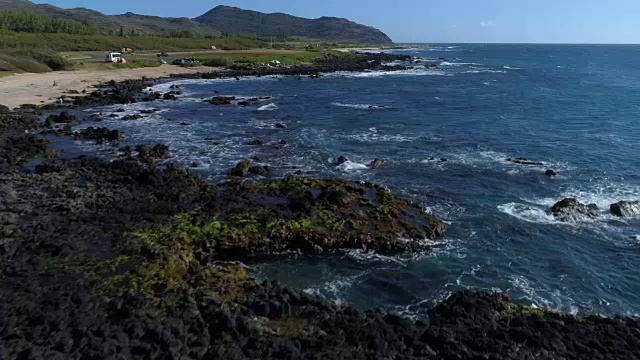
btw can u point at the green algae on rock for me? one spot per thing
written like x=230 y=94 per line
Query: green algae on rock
x=305 y=215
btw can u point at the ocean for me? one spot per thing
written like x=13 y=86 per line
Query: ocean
x=574 y=107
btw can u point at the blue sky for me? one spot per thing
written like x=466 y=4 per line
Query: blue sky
x=521 y=21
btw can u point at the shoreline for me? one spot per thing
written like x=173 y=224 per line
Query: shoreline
x=38 y=89
x=287 y=318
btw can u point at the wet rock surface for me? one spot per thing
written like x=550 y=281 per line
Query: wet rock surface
x=524 y=161
x=625 y=208
x=571 y=209
x=100 y=135
x=17 y=144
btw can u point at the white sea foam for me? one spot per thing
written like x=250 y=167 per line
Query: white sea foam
x=479 y=71
x=540 y=297
x=603 y=193
x=447 y=63
x=365 y=256
x=361 y=106
x=476 y=158
x=511 y=67
x=351 y=166
x=268 y=107
x=166 y=86
x=547 y=201
x=442 y=48
x=527 y=213
x=335 y=288
x=370 y=74
x=376 y=136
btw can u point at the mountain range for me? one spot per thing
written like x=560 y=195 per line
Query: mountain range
x=217 y=21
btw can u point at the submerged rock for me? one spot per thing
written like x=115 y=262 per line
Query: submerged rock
x=151 y=154
x=523 y=161
x=377 y=163
x=222 y=100
x=255 y=142
x=171 y=95
x=63 y=118
x=260 y=170
x=100 y=134
x=571 y=209
x=132 y=117
x=625 y=208
x=550 y=173
x=280 y=125
x=241 y=169
x=342 y=160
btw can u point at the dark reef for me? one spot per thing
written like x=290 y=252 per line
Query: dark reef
x=132 y=260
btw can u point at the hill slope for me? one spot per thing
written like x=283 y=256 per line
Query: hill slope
x=237 y=21
x=147 y=25
x=222 y=19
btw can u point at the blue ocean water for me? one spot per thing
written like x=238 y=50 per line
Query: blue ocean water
x=574 y=107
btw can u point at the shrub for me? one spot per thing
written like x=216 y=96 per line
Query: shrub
x=145 y=63
x=30 y=60
x=216 y=62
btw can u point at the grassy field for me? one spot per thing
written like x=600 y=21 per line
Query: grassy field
x=28 y=52
x=94 y=60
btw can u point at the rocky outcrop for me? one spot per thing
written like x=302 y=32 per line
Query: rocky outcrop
x=377 y=163
x=571 y=209
x=523 y=161
x=114 y=259
x=550 y=173
x=63 y=118
x=241 y=169
x=150 y=154
x=626 y=208
x=342 y=160
x=260 y=170
x=222 y=100
x=323 y=215
x=112 y=92
x=99 y=135
x=132 y=117
x=171 y=95
x=17 y=144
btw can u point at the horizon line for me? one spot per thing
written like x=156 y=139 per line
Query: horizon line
x=511 y=43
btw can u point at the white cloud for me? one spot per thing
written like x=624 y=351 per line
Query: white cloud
x=487 y=23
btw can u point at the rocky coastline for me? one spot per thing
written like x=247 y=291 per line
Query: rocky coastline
x=132 y=260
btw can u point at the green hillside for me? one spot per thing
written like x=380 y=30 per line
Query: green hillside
x=220 y=20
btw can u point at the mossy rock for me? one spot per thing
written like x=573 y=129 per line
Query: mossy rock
x=304 y=215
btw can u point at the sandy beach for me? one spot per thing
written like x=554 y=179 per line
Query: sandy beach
x=31 y=88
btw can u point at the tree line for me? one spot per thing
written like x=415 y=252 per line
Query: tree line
x=34 y=22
